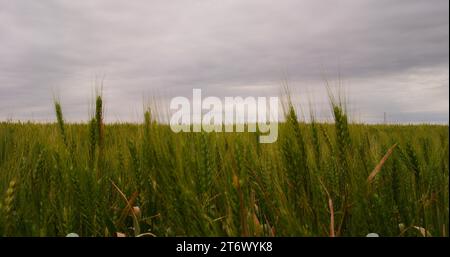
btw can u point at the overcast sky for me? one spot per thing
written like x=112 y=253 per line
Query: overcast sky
x=392 y=56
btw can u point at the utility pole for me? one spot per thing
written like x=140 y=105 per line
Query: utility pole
x=384 y=118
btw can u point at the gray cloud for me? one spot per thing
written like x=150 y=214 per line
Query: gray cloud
x=393 y=55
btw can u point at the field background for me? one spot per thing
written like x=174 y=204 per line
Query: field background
x=318 y=179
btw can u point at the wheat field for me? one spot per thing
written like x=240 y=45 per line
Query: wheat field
x=318 y=179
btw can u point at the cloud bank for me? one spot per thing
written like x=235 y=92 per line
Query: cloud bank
x=392 y=56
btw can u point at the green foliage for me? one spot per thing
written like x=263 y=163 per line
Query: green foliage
x=106 y=178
